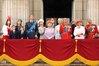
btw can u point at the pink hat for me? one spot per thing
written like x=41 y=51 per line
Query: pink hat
x=9 y=18
x=40 y=20
x=78 y=20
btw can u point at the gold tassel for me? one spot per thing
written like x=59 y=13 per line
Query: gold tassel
x=40 y=45
x=4 y=45
x=76 y=45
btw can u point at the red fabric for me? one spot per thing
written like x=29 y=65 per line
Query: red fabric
x=5 y=37
x=65 y=35
x=89 y=49
x=22 y=49
x=90 y=35
x=1 y=47
x=9 y=29
x=58 y=50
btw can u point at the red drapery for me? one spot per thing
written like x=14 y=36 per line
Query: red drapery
x=89 y=49
x=1 y=47
x=57 y=50
x=22 y=49
x=54 y=51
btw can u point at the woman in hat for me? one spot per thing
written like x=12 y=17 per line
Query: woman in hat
x=79 y=31
x=65 y=30
x=41 y=28
x=49 y=31
x=6 y=28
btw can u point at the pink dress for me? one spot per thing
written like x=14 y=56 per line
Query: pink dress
x=49 y=33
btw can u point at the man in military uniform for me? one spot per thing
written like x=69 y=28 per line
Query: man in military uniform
x=91 y=30
x=31 y=28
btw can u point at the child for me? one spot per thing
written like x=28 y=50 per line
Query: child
x=22 y=33
x=14 y=34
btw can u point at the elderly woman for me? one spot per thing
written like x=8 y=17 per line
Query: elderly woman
x=79 y=31
x=57 y=29
x=41 y=28
x=49 y=31
x=65 y=30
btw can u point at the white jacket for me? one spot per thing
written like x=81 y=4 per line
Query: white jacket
x=78 y=31
x=5 y=30
x=57 y=32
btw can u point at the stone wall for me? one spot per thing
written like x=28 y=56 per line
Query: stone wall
x=23 y=8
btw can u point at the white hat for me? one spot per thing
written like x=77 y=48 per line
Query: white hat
x=40 y=20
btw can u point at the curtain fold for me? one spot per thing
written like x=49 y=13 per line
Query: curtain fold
x=53 y=52
x=1 y=49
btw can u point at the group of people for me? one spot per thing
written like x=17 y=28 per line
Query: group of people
x=36 y=29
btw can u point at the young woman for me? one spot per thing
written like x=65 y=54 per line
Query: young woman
x=6 y=28
x=22 y=33
x=18 y=25
x=49 y=31
x=41 y=28
x=79 y=31
x=65 y=30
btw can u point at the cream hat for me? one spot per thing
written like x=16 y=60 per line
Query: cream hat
x=40 y=20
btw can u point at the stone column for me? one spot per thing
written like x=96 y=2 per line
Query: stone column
x=38 y=9
x=31 y=7
x=93 y=11
x=0 y=14
x=77 y=9
x=17 y=9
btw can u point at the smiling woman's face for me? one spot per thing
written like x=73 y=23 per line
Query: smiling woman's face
x=9 y=22
x=40 y=23
x=79 y=23
x=19 y=22
x=49 y=24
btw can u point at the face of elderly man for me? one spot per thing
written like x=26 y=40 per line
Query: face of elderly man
x=89 y=21
x=65 y=21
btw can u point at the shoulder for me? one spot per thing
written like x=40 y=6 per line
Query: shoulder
x=76 y=27
x=93 y=25
x=57 y=26
x=82 y=27
x=27 y=22
x=53 y=28
x=4 y=26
